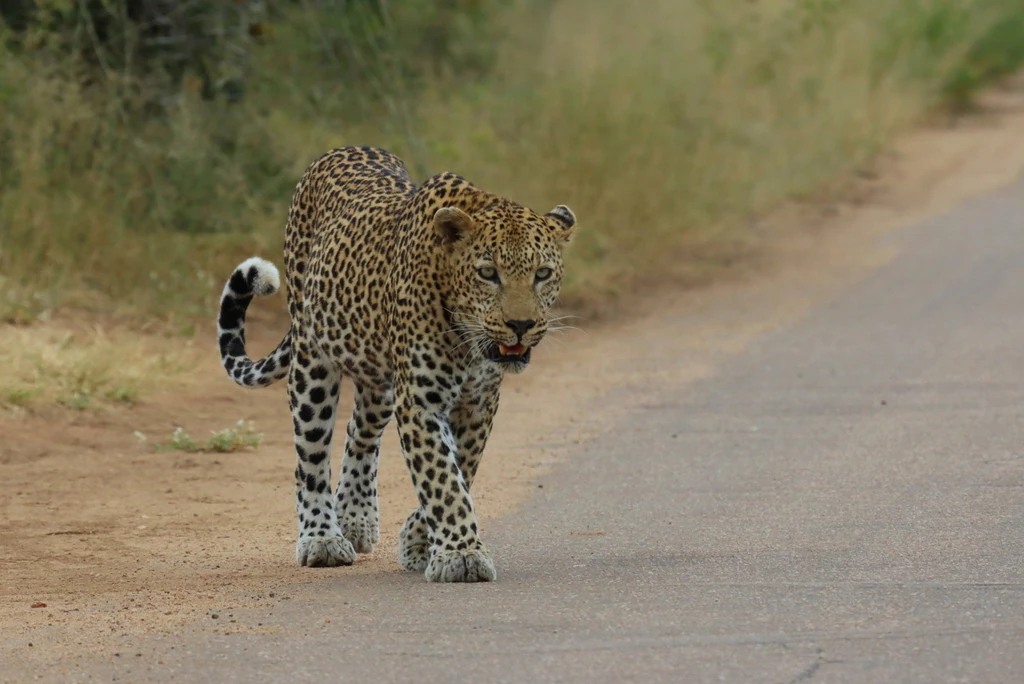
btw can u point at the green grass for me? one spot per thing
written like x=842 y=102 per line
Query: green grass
x=239 y=438
x=663 y=124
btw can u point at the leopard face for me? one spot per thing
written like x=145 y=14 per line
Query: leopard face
x=504 y=267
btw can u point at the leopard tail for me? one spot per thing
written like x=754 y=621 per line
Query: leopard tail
x=254 y=277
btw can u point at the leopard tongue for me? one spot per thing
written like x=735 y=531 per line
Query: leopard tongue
x=514 y=350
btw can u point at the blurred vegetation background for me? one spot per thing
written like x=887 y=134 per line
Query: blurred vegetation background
x=147 y=146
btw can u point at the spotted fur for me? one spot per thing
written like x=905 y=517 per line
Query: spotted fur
x=424 y=297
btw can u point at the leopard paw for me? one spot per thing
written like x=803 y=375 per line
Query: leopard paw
x=326 y=551
x=471 y=565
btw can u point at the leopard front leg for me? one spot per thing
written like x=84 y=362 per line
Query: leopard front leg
x=357 y=489
x=456 y=552
x=471 y=422
x=313 y=385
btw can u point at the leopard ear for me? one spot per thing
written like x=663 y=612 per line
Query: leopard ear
x=563 y=220
x=452 y=225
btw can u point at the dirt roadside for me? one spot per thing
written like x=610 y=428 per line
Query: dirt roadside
x=118 y=539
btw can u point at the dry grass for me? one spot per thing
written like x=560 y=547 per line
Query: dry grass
x=666 y=127
x=664 y=124
x=42 y=366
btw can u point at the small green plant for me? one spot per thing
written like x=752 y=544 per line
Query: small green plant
x=78 y=402
x=123 y=395
x=21 y=396
x=241 y=436
x=182 y=441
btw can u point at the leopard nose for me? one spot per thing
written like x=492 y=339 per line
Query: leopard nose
x=520 y=328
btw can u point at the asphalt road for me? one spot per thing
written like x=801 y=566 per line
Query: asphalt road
x=841 y=502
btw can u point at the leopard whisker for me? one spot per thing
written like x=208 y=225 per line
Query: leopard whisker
x=563 y=328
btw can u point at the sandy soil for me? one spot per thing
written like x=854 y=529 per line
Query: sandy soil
x=116 y=538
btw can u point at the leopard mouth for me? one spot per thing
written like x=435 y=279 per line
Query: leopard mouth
x=504 y=353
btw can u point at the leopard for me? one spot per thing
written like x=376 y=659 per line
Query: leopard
x=424 y=297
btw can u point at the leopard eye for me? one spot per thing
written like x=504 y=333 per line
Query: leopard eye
x=488 y=273
x=542 y=274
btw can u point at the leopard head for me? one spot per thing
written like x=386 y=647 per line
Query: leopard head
x=504 y=268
